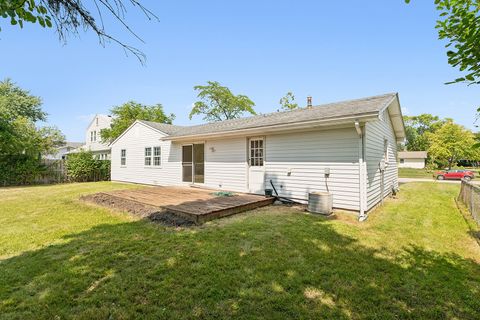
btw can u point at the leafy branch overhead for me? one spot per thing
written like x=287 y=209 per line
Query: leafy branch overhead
x=68 y=16
x=218 y=103
x=459 y=24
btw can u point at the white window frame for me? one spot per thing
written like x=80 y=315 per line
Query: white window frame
x=147 y=156
x=157 y=156
x=254 y=159
x=123 y=157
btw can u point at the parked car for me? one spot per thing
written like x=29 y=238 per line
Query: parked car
x=454 y=175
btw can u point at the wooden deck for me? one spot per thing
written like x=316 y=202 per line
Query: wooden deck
x=194 y=204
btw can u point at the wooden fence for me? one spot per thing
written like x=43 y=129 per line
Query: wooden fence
x=470 y=196
x=55 y=173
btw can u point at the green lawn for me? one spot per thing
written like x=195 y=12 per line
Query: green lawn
x=60 y=259
x=415 y=173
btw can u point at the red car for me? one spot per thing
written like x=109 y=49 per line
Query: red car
x=454 y=175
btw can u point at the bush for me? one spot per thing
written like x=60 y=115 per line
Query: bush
x=20 y=170
x=82 y=167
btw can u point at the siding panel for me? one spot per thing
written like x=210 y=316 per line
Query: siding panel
x=296 y=163
x=135 y=141
x=376 y=133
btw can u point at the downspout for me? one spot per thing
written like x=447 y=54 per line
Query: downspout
x=362 y=184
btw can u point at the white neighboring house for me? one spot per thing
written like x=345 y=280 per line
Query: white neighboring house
x=62 y=151
x=347 y=148
x=412 y=159
x=93 y=140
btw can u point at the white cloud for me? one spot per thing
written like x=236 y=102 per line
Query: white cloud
x=405 y=111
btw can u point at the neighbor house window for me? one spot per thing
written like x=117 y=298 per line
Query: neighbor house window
x=157 y=156
x=402 y=160
x=91 y=136
x=256 y=152
x=94 y=135
x=123 y=157
x=148 y=156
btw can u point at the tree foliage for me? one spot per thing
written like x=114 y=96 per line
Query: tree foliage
x=416 y=128
x=218 y=103
x=21 y=142
x=450 y=143
x=126 y=114
x=459 y=24
x=68 y=16
x=19 y=112
x=287 y=102
x=82 y=167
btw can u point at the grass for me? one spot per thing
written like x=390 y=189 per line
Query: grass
x=415 y=173
x=63 y=259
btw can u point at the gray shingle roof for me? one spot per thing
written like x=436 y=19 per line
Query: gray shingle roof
x=331 y=111
x=169 y=129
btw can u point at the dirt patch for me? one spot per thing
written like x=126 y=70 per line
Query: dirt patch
x=152 y=213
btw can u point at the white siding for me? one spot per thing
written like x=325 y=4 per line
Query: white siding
x=98 y=123
x=375 y=134
x=306 y=155
x=412 y=163
x=226 y=166
x=135 y=141
x=295 y=162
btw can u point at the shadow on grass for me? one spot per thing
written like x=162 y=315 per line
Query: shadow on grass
x=298 y=267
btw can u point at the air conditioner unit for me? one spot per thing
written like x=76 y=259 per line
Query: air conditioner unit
x=320 y=202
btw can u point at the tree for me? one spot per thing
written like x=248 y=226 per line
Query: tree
x=450 y=143
x=459 y=24
x=218 y=103
x=416 y=128
x=126 y=114
x=68 y=16
x=19 y=112
x=287 y=102
x=21 y=142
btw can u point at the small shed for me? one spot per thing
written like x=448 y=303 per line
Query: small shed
x=412 y=159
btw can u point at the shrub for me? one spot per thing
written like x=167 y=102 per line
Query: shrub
x=82 y=167
x=20 y=169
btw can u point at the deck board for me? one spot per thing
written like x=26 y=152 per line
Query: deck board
x=195 y=204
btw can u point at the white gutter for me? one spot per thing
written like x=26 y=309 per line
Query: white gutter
x=362 y=173
x=279 y=127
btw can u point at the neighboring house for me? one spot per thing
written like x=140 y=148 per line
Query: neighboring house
x=412 y=159
x=93 y=140
x=347 y=148
x=62 y=151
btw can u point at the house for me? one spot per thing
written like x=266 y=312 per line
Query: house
x=412 y=159
x=93 y=140
x=347 y=148
x=62 y=151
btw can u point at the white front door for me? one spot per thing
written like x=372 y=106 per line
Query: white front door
x=256 y=165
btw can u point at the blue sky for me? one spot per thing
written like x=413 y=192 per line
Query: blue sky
x=331 y=50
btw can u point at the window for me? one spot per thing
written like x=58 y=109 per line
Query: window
x=123 y=157
x=148 y=156
x=256 y=152
x=402 y=160
x=94 y=135
x=91 y=136
x=157 y=156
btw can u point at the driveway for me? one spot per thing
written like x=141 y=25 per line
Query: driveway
x=406 y=180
